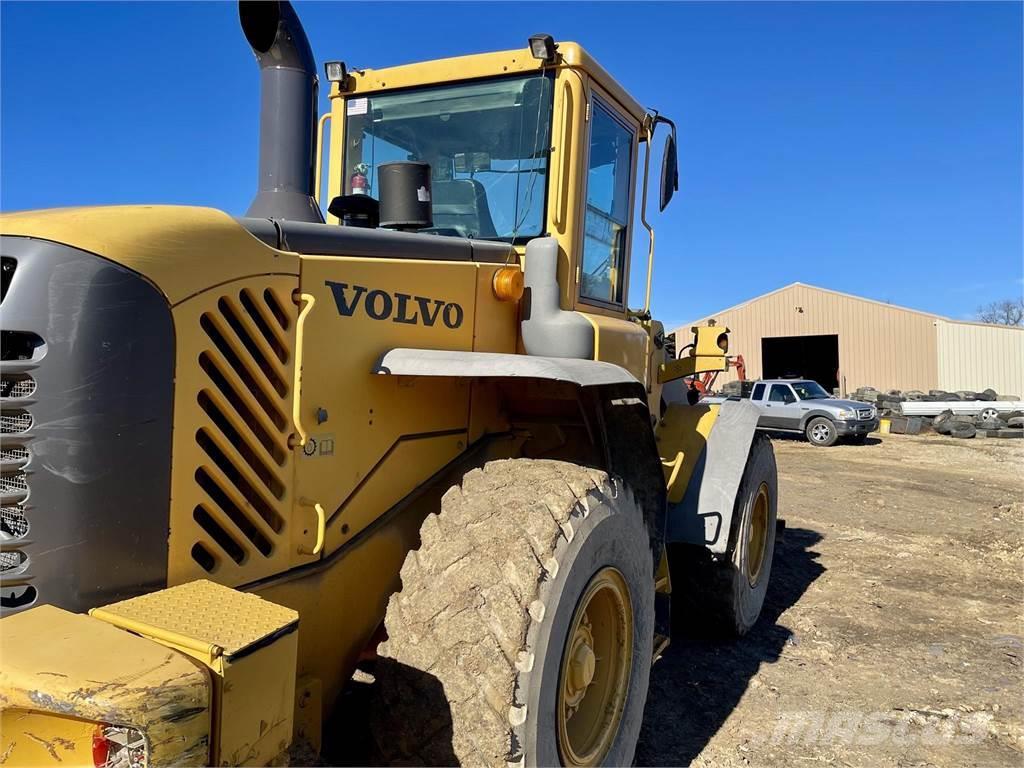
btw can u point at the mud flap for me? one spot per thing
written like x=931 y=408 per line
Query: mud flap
x=710 y=470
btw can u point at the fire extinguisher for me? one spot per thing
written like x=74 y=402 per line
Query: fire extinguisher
x=359 y=183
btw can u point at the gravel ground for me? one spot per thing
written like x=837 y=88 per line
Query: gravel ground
x=892 y=631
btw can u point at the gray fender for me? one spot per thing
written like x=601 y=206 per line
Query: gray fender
x=704 y=516
x=482 y=365
x=613 y=396
x=813 y=414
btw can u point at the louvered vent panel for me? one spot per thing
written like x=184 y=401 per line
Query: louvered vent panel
x=21 y=353
x=13 y=523
x=14 y=455
x=17 y=386
x=15 y=422
x=233 y=502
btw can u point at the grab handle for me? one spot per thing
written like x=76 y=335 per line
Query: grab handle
x=299 y=346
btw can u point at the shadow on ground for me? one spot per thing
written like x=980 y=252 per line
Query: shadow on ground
x=414 y=711
x=799 y=438
x=698 y=683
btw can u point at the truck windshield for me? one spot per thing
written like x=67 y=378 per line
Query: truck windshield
x=487 y=143
x=809 y=390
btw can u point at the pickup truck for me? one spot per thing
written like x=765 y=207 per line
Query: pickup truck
x=799 y=405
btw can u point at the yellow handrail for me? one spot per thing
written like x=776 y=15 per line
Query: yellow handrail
x=299 y=345
x=321 y=528
x=563 y=159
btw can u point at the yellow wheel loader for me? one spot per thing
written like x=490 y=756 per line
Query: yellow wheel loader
x=426 y=436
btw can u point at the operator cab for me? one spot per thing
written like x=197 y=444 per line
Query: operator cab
x=520 y=144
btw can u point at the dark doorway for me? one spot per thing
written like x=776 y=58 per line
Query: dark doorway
x=804 y=357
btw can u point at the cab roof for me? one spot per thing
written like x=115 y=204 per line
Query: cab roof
x=480 y=65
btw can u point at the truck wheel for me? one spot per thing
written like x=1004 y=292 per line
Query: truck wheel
x=530 y=604
x=724 y=597
x=821 y=431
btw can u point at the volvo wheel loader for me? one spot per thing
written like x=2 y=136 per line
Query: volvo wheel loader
x=427 y=435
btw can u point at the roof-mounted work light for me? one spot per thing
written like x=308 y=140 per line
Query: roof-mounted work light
x=335 y=71
x=543 y=47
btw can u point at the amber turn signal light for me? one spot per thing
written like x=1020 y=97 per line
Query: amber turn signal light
x=508 y=284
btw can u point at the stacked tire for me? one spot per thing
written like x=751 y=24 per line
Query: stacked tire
x=949 y=423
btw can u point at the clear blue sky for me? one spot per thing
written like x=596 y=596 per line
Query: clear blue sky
x=870 y=148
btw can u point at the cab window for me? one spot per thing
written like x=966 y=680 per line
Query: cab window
x=608 y=194
x=781 y=394
x=758 y=392
x=487 y=143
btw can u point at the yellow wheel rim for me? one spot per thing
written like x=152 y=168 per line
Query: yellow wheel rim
x=757 y=536
x=595 y=670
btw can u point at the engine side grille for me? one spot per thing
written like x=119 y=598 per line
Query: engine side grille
x=7 y=267
x=20 y=354
x=13 y=523
x=14 y=484
x=17 y=386
x=10 y=561
x=233 y=500
x=15 y=422
x=87 y=356
x=13 y=455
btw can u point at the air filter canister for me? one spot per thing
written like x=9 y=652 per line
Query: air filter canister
x=404 y=191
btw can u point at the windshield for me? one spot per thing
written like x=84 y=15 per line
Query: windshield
x=809 y=390
x=487 y=144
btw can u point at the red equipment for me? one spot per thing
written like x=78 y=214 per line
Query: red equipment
x=707 y=381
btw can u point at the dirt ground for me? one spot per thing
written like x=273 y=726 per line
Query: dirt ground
x=892 y=630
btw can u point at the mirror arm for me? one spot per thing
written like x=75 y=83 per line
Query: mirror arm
x=649 y=126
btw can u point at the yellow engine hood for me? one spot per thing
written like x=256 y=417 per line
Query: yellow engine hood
x=182 y=250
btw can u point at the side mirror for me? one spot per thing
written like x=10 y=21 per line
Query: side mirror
x=669 y=170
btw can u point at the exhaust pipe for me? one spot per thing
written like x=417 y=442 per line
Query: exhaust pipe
x=288 y=107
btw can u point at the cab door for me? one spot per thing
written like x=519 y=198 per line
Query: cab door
x=782 y=408
x=602 y=267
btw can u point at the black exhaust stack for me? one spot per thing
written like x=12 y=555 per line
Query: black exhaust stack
x=288 y=108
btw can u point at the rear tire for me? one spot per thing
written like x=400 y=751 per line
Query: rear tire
x=821 y=431
x=724 y=597
x=504 y=579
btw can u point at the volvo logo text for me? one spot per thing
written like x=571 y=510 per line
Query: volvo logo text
x=399 y=307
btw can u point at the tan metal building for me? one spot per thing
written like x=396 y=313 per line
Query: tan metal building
x=845 y=342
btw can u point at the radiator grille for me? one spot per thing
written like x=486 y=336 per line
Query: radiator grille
x=10 y=561
x=13 y=523
x=15 y=422
x=13 y=455
x=17 y=386
x=237 y=397
x=20 y=352
x=13 y=484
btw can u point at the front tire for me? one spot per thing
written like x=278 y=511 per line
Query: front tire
x=821 y=431
x=724 y=597
x=531 y=603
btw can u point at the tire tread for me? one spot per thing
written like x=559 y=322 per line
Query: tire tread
x=494 y=542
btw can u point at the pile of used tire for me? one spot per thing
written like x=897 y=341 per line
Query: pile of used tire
x=966 y=425
x=890 y=403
